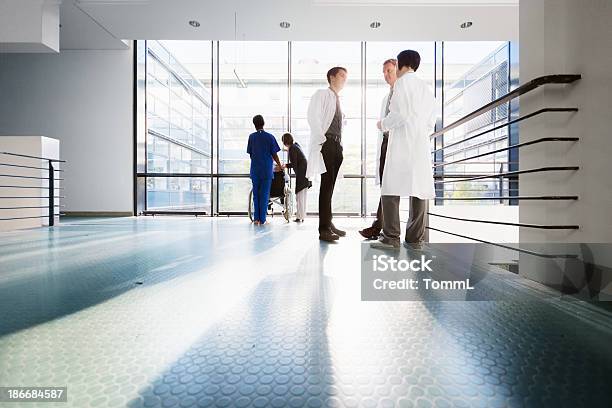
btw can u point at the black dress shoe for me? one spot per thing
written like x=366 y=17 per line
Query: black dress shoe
x=328 y=236
x=337 y=231
x=370 y=233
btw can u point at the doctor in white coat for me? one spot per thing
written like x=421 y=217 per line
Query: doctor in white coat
x=408 y=167
x=390 y=75
x=325 y=157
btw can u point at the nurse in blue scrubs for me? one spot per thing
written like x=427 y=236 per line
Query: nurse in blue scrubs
x=263 y=149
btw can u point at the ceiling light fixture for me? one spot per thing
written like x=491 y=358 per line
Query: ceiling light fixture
x=194 y=23
x=467 y=24
x=375 y=24
x=285 y=24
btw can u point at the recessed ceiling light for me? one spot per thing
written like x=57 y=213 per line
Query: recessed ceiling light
x=194 y=23
x=285 y=24
x=467 y=24
x=375 y=24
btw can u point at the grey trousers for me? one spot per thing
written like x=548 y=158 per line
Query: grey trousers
x=415 y=228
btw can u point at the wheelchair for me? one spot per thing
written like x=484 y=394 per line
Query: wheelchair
x=281 y=196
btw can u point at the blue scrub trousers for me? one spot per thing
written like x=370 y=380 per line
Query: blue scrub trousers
x=261 y=196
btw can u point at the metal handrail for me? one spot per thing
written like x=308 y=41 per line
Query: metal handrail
x=506 y=124
x=34 y=157
x=459 y=176
x=545 y=197
x=176 y=212
x=28 y=167
x=194 y=175
x=28 y=177
x=506 y=174
x=532 y=142
x=537 y=226
x=234 y=175
x=15 y=197
x=28 y=207
x=550 y=256
x=521 y=90
x=528 y=87
x=35 y=187
x=482 y=162
x=51 y=206
x=24 y=218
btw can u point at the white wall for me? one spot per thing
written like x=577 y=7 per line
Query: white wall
x=568 y=37
x=29 y=25
x=84 y=99
x=573 y=37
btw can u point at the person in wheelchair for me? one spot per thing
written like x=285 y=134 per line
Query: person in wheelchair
x=298 y=162
x=280 y=195
x=277 y=189
x=263 y=149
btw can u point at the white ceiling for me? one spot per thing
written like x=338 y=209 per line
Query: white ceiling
x=101 y=23
x=78 y=31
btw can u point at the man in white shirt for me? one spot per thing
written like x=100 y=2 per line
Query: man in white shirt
x=408 y=165
x=325 y=150
x=390 y=74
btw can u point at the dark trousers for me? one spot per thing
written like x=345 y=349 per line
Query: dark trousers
x=378 y=222
x=332 y=156
x=415 y=228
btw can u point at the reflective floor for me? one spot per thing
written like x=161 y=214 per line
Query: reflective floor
x=186 y=312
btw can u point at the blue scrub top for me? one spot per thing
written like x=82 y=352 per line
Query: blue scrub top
x=262 y=145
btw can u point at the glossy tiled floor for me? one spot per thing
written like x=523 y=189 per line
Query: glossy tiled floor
x=182 y=312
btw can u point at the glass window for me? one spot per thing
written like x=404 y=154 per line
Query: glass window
x=309 y=65
x=347 y=196
x=178 y=193
x=252 y=80
x=234 y=194
x=258 y=77
x=475 y=73
x=179 y=78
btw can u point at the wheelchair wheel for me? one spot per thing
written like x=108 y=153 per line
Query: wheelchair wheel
x=251 y=206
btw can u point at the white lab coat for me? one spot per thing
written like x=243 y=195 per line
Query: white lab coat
x=410 y=122
x=380 y=139
x=321 y=111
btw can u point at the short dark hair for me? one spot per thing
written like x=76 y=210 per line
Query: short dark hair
x=287 y=139
x=258 y=121
x=333 y=72
x=408 y=58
